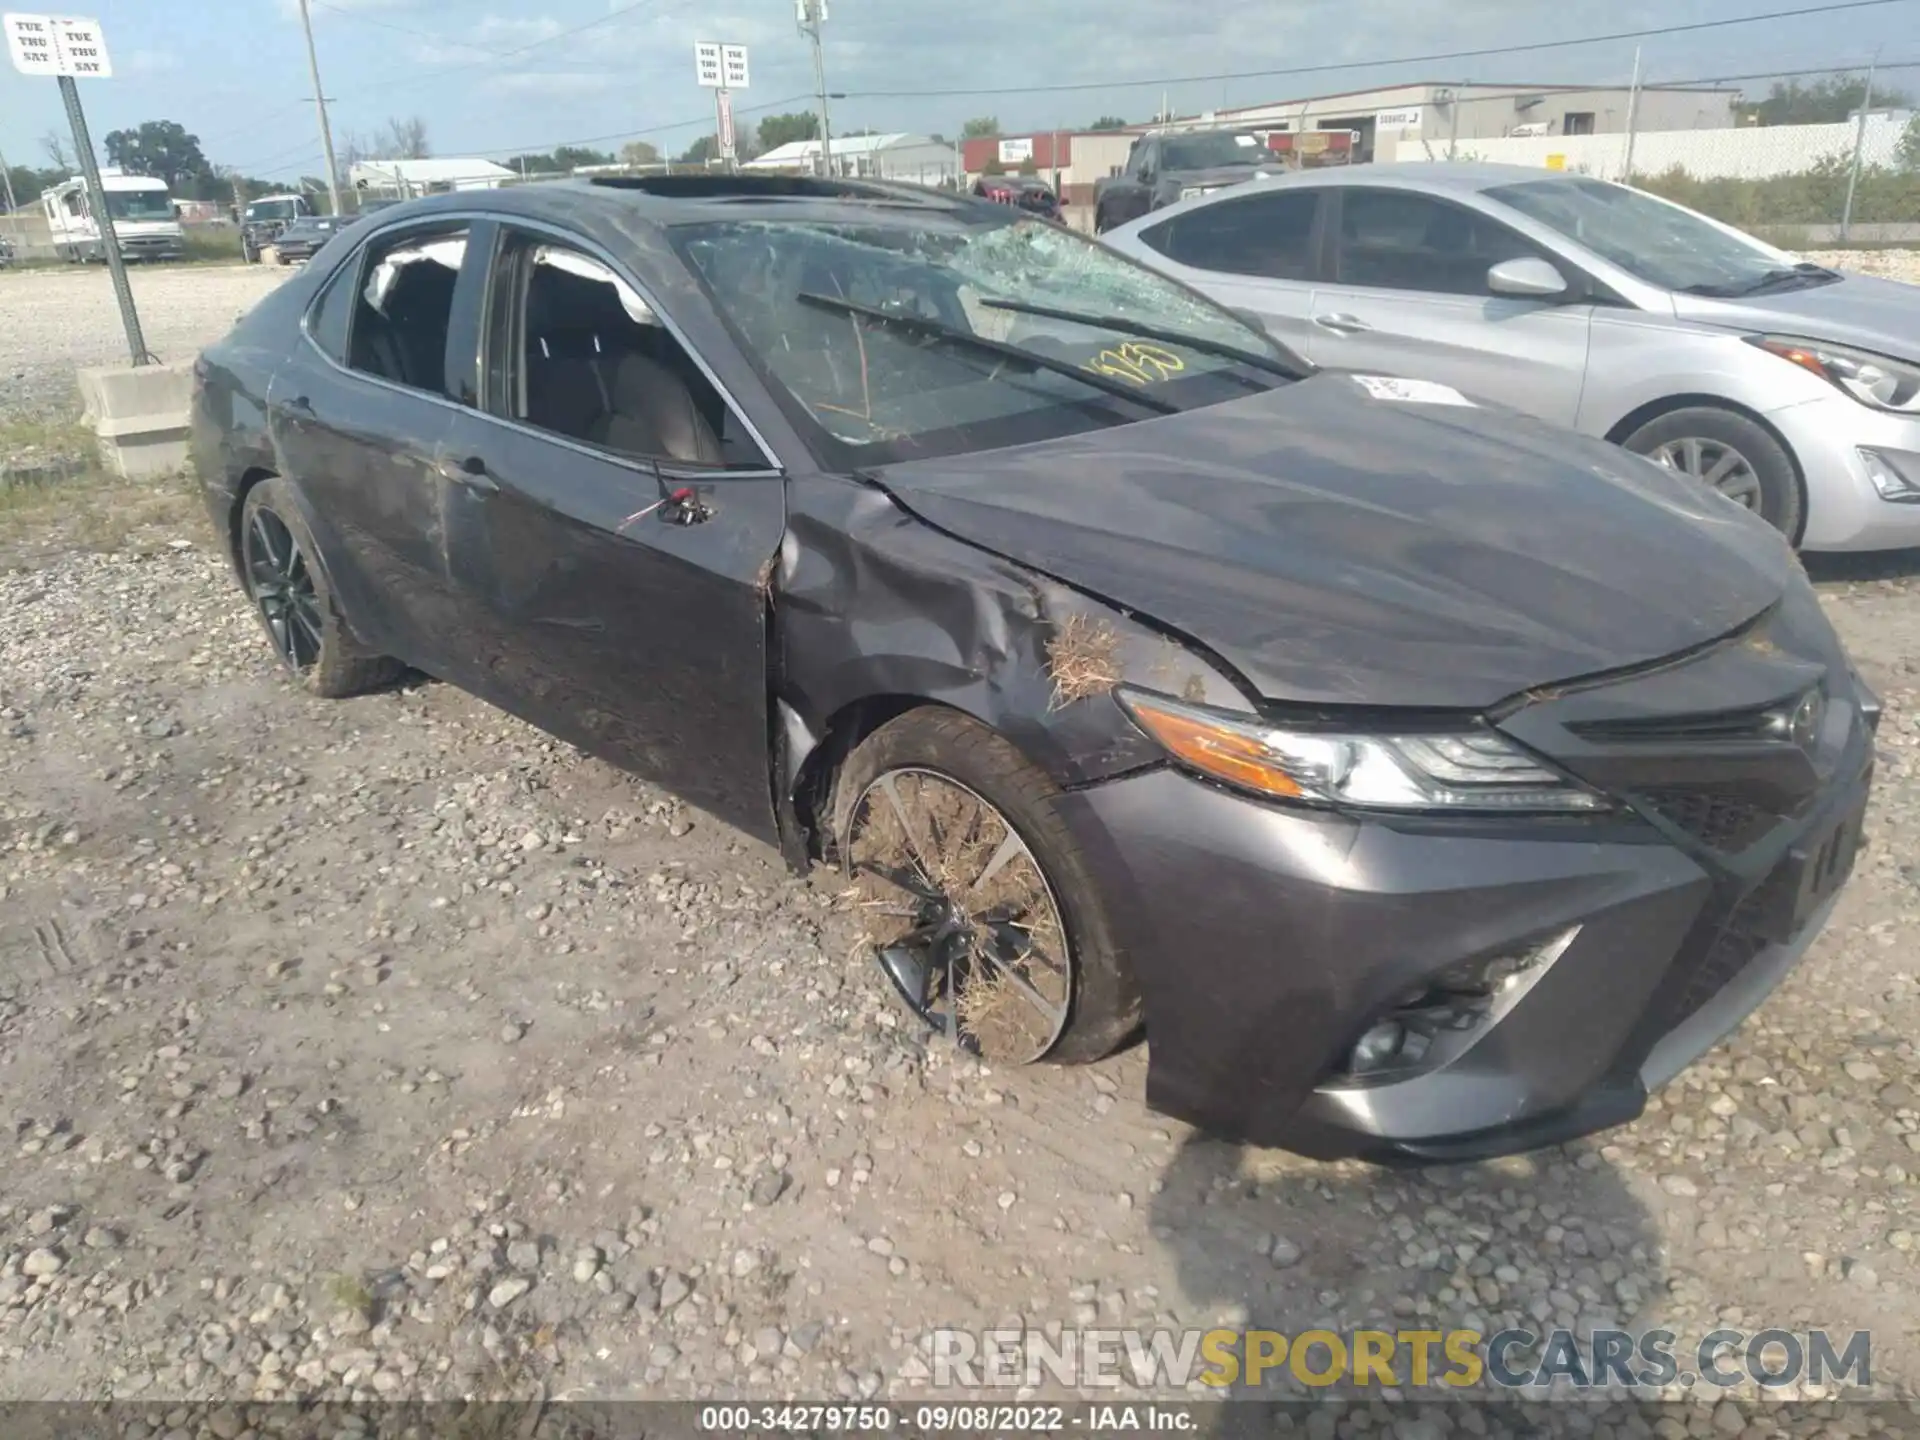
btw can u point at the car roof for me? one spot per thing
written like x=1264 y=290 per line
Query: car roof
x=1451 y=175
x=667 y=200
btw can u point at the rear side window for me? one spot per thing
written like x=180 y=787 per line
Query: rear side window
x=332 y=314
x=1399 y=240
x=1267 y=235
x=403 y=304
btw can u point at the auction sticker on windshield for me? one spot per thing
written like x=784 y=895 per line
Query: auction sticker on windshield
x=1410 y=392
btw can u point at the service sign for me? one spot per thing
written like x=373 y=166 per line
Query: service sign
x=1016 y=152
x=706 y=64
x=733 y=67
x=1398 y=119
x=57 y=45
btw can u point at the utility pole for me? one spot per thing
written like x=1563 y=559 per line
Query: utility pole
x=1859 y=145
x=812 y=12
x=1633 y=118
x=320 y=106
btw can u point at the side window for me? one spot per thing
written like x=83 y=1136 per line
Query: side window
x=587 y=358
x=1400 y=240
x=403 y=301
x=1143 y=160
x=1267 y=235
x=331 y=316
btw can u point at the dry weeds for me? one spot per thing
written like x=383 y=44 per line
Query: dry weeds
x=1083 y=658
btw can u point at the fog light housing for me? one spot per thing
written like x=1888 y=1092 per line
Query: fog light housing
x=1435 y=1022
x=1896 y=476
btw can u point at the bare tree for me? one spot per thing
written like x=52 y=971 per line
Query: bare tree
x=58 y=152
x=404 y=139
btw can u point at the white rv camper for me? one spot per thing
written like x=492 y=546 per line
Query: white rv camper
x=143 y=219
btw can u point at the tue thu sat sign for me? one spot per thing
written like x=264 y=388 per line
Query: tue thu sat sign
x=57 y=45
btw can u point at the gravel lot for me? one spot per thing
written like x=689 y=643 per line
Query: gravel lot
x=53 y=320
x=388 y=1048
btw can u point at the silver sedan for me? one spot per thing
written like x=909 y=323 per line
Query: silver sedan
x=1793 y=389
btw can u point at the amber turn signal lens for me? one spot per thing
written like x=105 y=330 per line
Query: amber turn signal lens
x=1226 y=754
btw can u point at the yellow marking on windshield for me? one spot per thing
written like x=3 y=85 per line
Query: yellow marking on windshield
x=1136 y=361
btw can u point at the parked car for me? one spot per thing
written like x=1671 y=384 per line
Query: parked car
x=1028 y=192
x=1165 y=167
x=262 y=222
x=301 y=239
x=1428 y=780
x=1791 y=388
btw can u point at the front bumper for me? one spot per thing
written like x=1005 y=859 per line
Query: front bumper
x=1266 y=940
x=1844 y=509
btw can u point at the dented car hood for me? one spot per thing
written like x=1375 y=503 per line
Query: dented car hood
x=1340 y=548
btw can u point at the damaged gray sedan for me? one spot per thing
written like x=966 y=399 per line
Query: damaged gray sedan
x=1423 y=781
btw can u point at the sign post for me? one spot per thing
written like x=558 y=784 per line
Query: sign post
x=65 y=46
x=721 y=69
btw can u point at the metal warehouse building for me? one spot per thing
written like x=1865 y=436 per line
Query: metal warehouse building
x=1437 y=115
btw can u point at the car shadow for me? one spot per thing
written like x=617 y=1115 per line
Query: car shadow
x=1262 y=1240
x=1866 y=565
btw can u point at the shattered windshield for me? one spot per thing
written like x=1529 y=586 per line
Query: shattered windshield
x=874 y=331
x=1211 y=150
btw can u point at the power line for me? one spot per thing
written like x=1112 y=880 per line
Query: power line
x=1477 y=53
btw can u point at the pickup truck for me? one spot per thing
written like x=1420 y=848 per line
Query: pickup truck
x=1166 y=166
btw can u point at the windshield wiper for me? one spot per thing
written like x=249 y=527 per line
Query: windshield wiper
x=939 y=330
x=1292 y=367
x=1783 y=278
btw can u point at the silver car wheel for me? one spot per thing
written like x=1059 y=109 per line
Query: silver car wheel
x=1715 y=463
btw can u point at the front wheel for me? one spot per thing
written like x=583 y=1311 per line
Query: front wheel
x=975 y=900
x=1735 y=455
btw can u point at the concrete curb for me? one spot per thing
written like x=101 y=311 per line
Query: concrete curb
x=140 y=416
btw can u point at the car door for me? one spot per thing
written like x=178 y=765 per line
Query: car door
x=357 y=414
x=1255 y=253
x=611 y=524
x=1408 y=296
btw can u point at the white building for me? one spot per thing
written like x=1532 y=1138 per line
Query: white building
x=918 y=158
x=404 y=179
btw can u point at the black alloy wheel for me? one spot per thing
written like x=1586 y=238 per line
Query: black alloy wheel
x=281 y=583
x=960 y=915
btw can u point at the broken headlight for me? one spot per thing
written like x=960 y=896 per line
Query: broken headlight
x=1875 y=380
x=1466 y=770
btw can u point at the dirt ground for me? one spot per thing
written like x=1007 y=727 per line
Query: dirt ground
x=389 y=1048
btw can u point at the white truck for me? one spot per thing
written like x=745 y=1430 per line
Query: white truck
x=142 y=212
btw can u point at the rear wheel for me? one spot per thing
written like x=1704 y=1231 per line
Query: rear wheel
x=1735 y=455
x=289 y=591
x=975 y=901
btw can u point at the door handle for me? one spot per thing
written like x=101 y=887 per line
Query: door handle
x=469 y=471
x=1341 y=324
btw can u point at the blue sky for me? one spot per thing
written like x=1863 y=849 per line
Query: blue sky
x=234 y=71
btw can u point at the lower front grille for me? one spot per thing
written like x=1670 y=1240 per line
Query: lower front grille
x=1718 y=821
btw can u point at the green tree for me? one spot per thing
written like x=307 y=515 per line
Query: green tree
x=778 y=130
x=702 y=151
x=572 y=157
x=639 y=152
x=164 y=150
x=980 y=127
x=1826 y=100
x=540 y=164
x=1909 y=152
x=1109 y=122
x=31 y=182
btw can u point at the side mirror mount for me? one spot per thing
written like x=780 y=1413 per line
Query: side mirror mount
x=1527 y=278
x=1251 y=317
